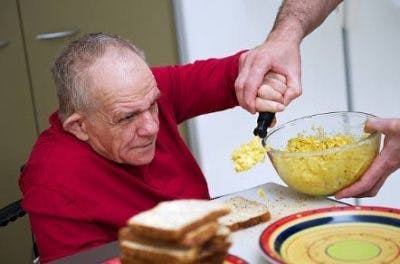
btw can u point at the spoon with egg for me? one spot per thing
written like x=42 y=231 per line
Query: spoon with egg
x=253 y=152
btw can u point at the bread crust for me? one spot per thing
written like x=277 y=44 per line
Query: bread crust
x=217 y=258
x=166 y=255
x=250 y=222
x=196 y=237
x=245 y=213
x=146 y=229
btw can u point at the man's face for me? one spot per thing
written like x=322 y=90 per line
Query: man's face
x=123 y=124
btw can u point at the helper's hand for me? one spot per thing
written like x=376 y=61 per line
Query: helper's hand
x=387 y=161
x=275 y=55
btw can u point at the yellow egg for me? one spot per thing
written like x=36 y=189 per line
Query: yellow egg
x=248 y=155
x=261 y=193
x=324 y=174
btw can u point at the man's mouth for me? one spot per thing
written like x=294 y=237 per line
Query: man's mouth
x=145 y=145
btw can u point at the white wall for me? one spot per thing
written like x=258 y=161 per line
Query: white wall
x=215 y=28
x=374 y=38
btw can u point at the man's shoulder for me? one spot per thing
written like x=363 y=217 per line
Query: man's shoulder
x=53 y=144
x=163 y=76
x=60 y=160
x=60 y=153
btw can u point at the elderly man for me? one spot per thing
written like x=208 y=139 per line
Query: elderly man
x=113 y=148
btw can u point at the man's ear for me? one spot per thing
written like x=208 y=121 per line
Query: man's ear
x=75 y=125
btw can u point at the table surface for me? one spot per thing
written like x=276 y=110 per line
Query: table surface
x=281 y=201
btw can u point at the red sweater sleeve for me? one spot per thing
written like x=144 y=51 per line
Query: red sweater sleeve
x=201 y=87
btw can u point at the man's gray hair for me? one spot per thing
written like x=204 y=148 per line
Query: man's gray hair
x=70 y=69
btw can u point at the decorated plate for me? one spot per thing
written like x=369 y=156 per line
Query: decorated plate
x=232 y=259
x=335 y=235
x=229 y=259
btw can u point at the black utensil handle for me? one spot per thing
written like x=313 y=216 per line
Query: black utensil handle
x=264 y=120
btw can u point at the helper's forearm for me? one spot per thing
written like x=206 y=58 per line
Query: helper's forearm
x=297 y=18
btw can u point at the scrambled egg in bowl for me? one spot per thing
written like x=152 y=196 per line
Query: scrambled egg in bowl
x=318 y=154
x=322 y=165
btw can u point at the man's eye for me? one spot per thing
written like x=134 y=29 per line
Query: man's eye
x=127 y=117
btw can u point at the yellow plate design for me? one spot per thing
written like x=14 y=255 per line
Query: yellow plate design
x=335 y=236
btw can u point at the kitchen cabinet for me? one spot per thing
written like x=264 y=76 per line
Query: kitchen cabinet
x=32 y=33
x=18 y=130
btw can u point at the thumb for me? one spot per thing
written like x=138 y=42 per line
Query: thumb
x=383 y=125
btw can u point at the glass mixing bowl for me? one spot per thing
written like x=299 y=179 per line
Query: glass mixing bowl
x=323 y=172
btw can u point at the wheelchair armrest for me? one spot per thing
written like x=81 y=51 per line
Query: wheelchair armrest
x=11 y=212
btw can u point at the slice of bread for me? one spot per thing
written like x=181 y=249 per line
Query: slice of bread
x=171 y=220
x=154 y=253
x=220 y=240
x=245 y=213
x=158 y=254
x=200 y=235
x=196 y=237
x=217 y=258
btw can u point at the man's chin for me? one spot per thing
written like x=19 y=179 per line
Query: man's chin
x=138 y=160
x=141 y=162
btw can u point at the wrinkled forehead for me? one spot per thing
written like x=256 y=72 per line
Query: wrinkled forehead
x=119 y=64
x=120 y=71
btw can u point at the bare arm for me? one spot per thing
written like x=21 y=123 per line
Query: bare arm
x=280 y=53
x=298 y=18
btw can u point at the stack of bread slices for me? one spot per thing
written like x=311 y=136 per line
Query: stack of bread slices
x=180 y=231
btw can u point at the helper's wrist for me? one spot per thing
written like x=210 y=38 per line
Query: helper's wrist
x=287 y=31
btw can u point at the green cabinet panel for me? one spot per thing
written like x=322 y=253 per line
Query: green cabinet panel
x=17 y=132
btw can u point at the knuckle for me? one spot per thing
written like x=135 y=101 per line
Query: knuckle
x=363 y=187
x=260 y=61
x=277 y=77
x=238 y=85
x=298 y=92
x=259 y=56
x=265 y=87
x=261 y=93
x=277 y=108
x=392 y=164
x=394 y=126
x=274 y=84
x=247 y=86
x=372 y=193
x=243 y=57
x=246 y=105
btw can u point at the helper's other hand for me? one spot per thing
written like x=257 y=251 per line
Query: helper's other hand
x=387 y=161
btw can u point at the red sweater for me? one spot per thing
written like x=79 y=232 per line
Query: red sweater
x=77 y=199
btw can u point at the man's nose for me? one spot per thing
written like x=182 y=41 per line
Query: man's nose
x=148 y=124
